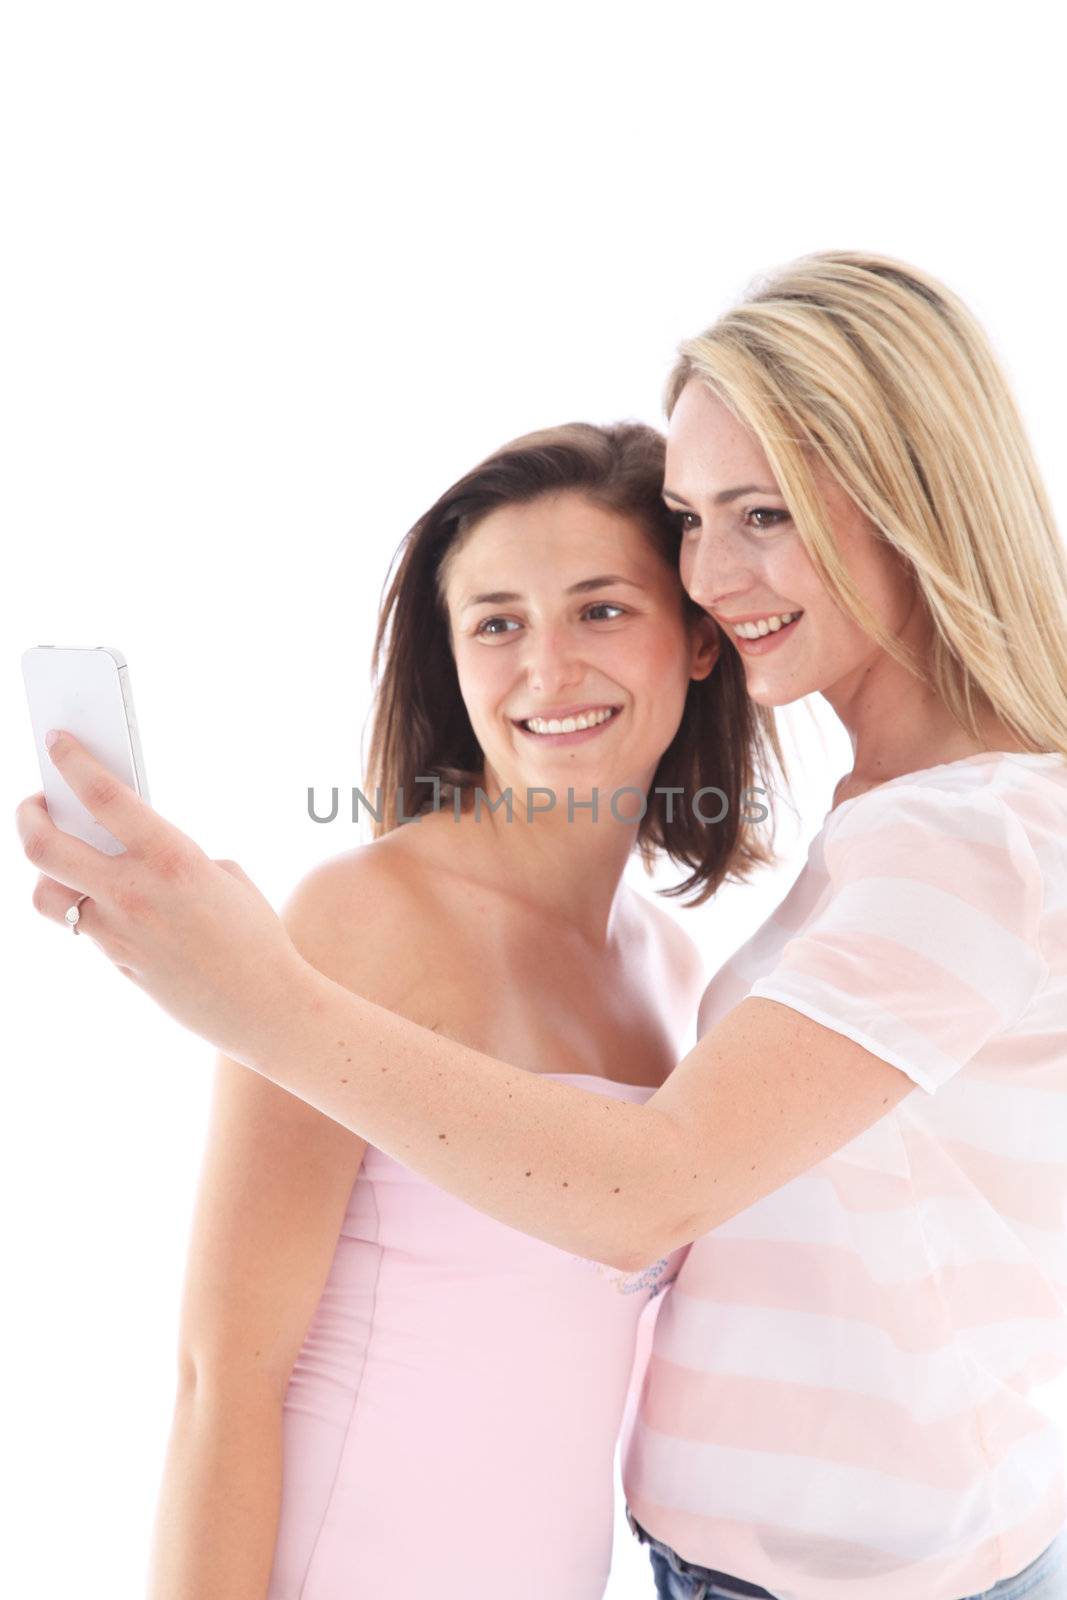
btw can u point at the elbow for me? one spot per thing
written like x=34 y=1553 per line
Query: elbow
x=650 y=1245
x=638 y=1251
x=221 y=1381
x=636 y=1263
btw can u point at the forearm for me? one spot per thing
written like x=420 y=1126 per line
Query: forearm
x=220 y=1495
x=594 y=1175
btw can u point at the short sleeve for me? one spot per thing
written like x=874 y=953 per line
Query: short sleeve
x=926 y=945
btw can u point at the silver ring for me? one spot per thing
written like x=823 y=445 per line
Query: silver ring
x=73 y=915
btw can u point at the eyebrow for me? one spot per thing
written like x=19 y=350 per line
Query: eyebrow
x=501 y=597
x=726 y=495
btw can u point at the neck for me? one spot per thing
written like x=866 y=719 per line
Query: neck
x=567 y=868
x=898 y=724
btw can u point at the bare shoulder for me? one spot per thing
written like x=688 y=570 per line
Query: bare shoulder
x=380 y=917
x=376 y=871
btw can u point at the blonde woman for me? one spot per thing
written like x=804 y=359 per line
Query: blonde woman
x=865 y=1150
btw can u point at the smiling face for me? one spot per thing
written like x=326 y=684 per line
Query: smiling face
x=742 y=559
x=572 y=646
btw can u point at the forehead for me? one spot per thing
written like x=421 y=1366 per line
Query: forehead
x=553 y=540
x=708 y=448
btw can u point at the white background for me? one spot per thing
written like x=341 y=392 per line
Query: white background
x=272 y=277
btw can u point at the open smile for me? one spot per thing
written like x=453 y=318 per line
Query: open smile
x=577 y=727
x=769 y=641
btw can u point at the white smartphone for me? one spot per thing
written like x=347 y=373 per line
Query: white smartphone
x=87 y=693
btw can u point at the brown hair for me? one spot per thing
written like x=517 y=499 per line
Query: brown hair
x=421 y=729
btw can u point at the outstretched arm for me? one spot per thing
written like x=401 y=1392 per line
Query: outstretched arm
x=761 y=1098
x=766 y=1094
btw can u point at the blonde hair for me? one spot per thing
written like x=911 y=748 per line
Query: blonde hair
x=878 y=372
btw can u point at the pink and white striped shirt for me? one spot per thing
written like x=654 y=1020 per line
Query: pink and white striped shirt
x=838 y=1402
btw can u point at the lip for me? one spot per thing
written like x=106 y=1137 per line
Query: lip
x=579 y=736
x=770 y=641
x=757 y=616
x=574 y=710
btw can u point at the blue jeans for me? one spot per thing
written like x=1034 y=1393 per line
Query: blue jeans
x=676 y=1579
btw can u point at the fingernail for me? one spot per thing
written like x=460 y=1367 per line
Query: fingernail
x=50 y=737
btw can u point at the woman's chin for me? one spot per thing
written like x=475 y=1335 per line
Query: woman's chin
x=773 y=695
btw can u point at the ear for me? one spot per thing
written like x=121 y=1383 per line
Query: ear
x=706 y=646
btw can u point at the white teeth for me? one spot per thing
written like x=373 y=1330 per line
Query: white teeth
x=766 y=625
x=587 y=719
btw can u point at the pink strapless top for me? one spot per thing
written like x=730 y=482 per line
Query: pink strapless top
x=450 y=1423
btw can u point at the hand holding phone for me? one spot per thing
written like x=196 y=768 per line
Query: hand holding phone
x=87 y=693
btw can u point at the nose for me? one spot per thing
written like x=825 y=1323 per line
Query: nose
x=552 y=660
x=712 y=569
